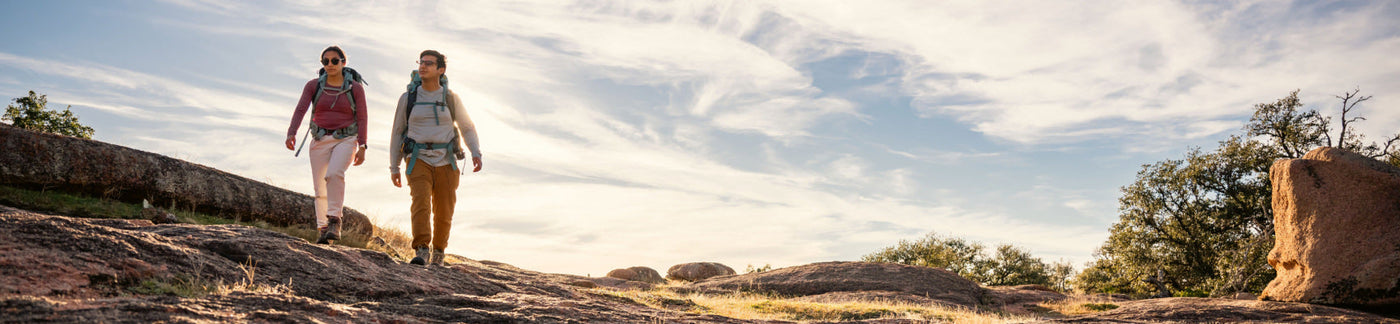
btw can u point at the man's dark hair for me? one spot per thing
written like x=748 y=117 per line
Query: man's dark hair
x=335 y=49
x=441 y=60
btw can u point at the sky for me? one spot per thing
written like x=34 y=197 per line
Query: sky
x=653 y=133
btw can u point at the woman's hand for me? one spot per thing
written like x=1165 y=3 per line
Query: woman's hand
x=359 y=155
x=291 y=142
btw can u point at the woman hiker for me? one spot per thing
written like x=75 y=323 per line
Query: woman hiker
x=337 y=130
x=427 y=124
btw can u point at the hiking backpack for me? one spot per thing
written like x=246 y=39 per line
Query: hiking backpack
x=410 y=146
x=350 y=76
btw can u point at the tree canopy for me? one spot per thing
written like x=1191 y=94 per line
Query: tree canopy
x=1006 y=266
x=1206 y=221
x=31 y=112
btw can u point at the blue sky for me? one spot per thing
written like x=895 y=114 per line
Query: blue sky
x=626 y=133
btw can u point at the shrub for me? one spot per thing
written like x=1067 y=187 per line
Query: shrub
x=33 y=114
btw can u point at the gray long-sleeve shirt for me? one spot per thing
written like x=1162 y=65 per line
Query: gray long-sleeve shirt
x=425 y=125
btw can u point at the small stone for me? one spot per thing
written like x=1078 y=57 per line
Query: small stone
x=159 y=216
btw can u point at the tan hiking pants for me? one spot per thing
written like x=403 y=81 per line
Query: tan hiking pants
x=433 y=188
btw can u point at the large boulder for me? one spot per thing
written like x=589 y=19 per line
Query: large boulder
x=826 y=277
x=42 y=160
x=641 y=274
x=695 y=271
x=1337 y=230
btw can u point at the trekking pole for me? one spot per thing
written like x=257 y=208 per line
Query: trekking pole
x=303 y=141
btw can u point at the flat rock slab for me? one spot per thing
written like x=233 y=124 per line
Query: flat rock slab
x=63 y=269
x=1223 y=310
x=826 y=277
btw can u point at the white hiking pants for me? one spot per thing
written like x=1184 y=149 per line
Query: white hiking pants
x=330 y=157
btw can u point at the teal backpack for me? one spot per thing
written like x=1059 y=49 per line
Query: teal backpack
x=351 y=76
x=410 y=146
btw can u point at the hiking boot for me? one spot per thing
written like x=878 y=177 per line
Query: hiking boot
x=422 y=256
x=438 y=255
x=321 y=236
x=332 y=230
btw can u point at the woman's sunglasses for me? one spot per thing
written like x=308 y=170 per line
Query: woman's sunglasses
x=325 y=61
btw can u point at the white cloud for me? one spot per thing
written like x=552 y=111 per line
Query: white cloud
x=606 y=125
x=1046 y=72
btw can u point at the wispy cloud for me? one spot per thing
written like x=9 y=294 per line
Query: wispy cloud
x=1055 y=72
x=623 y=133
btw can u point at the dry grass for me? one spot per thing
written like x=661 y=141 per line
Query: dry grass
x=195 y=286
x=1080 y=305
x=390 y=240
x=751 y=306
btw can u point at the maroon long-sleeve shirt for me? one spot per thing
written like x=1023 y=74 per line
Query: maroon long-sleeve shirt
x=332 y=112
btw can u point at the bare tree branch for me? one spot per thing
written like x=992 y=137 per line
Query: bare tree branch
x=1347 y=106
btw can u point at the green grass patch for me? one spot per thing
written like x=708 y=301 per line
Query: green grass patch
x=65 y=204
x=1098 y=307
x=1192 y=293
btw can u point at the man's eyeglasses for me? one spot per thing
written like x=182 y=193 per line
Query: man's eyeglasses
x=325 y=61
x=433 y=63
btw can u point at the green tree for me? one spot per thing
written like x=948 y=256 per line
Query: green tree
x=954 y=254
x=1011 y=266
x=32 y=113
x=1008 y=265
x=1206 y=221
x=1061 y=275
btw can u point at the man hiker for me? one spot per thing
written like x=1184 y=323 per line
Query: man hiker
x=429 y=126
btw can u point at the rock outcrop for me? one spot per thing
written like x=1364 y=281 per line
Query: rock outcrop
x=639 y=274
x=826 y=277
x=43 y=160
x=58 y=269
x=1337 y=230
x=62 y=269
x=695 y=271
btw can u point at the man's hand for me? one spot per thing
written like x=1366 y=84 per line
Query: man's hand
x=291 y=142
x=396 y=180
x=476 y=164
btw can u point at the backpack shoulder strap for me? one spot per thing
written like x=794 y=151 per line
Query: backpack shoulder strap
x=320 y=88
x=408 y=110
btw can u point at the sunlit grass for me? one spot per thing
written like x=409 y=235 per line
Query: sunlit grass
x=754 y=306
x=392 y=241
x=1080 y=305
x=194 y=286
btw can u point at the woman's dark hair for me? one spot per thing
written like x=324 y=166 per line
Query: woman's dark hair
x=335 y=49
x=441 y=60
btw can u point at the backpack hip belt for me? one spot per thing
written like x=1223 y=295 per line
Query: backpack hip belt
x=339 y=133
x=415 y=146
